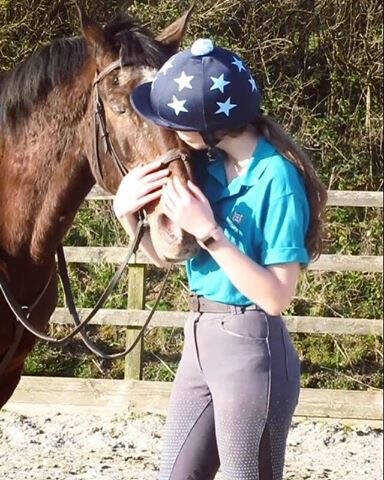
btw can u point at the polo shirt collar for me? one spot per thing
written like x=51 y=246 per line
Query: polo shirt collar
x=216 y=172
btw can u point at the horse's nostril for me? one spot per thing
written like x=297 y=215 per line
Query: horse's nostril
x=172 y=231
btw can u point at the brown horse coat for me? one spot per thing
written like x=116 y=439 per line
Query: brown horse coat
x=46 y=151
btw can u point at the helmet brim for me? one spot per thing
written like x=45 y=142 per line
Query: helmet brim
x=141 y=102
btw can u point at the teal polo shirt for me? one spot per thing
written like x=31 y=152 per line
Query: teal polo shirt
x=264 y=212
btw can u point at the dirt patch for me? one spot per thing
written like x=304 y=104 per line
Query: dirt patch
x=90 y=447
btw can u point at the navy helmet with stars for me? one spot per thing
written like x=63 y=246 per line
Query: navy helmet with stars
x=204 y=88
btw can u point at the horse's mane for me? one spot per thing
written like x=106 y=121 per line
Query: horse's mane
x=32 y=80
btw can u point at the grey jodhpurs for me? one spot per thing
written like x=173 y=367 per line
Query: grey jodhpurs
x=232 y=400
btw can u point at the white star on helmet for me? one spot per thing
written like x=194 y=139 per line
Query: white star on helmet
x=184 y=81
x=177 y=105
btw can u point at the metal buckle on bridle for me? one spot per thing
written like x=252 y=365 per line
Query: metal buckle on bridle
x=143 y=217
x=26 y=309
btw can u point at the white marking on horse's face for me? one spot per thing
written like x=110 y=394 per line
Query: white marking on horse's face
x=142 y=75
x=148 y=74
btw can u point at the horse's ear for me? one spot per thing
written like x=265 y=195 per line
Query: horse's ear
x=172 y=35
x=93 y=33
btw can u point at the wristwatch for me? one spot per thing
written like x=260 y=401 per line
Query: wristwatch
x=211 y=237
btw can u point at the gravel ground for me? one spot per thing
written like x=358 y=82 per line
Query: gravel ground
x=128 y=446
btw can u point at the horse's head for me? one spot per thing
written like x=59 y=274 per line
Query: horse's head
x=123 y=55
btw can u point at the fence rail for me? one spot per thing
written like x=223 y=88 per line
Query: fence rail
x=162 y=318
x=113 y=396
x=336 y=198
x=346 y=405
x=326 y=262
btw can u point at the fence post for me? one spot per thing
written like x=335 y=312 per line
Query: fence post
x=136 y=300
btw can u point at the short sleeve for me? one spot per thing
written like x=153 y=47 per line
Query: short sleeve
x=283 y=228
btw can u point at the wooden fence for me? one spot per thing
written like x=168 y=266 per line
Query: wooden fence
x=346 y=405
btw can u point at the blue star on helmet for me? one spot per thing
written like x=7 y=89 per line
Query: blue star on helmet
x=225 y=107
x=184 y=81
x=239 y=64
x=177 y=105
x=167 y=65
x=251 y=80
x=219 y=83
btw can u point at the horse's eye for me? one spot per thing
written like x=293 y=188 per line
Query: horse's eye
x=115 y=81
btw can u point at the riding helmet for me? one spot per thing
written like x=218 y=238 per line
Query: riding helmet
x=204 y=88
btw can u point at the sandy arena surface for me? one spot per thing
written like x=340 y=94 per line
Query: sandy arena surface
x=128 y=446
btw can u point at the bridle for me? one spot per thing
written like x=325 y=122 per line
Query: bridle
x=22 y=312
x=100 y=133
x=100 y=129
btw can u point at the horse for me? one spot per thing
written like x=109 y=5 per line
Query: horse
x=48 y=163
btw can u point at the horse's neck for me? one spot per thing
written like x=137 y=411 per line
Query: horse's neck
x=46 y=176
x=68 y=188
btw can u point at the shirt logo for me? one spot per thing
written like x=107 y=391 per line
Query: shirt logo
x=237 y=217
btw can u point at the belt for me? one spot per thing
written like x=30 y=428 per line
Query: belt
x=198 y=303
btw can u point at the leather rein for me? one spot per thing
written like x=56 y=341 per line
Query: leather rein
x=23 y=312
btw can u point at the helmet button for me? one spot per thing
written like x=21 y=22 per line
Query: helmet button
x=202 y=46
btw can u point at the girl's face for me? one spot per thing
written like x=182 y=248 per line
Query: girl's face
x=193 y=139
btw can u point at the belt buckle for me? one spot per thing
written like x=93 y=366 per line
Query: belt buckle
x=239 y=309
x=234 y=309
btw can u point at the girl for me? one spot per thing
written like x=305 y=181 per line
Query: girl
x=257 y=216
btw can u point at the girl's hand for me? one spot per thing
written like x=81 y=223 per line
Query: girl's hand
x=188 y=208
x=139 y=187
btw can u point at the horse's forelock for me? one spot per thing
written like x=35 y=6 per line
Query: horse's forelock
x=136 y=43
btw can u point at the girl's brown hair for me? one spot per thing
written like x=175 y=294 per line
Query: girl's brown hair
x=316 y=192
